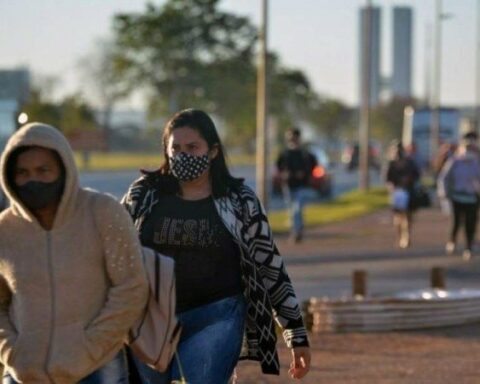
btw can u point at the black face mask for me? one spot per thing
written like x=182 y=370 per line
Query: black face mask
x=37 y=194
x=186 y=167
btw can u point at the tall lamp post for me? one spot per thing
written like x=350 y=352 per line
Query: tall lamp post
x=477 y=72
x=262 y=110
x=365 y=102
x=428 y=64
x=435 y=100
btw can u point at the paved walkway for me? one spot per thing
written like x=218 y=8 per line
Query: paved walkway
x=322 y=266
x=323 y=263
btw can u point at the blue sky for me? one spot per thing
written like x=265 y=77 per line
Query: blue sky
x=318 y=36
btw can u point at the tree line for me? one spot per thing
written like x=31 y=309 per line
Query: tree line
x=188 y=53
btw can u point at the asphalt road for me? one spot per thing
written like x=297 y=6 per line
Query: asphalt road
x=117 y=182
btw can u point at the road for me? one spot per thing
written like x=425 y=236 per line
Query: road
x=117 y=182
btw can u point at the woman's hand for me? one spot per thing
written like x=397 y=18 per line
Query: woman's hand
x=300 y=364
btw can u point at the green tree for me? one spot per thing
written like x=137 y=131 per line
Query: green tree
x=70 y=115
x=76 y=115
x=104 y=85
x=332 y=118
x=191 y=53
x=290 y=94
x=40 y=109
x=173 y=47
x=387 y=119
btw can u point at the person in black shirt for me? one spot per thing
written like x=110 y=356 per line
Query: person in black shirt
x=230 y=279
x=295 y=165
x=402 y=176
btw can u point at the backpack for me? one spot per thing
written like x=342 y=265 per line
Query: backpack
x=154 y=337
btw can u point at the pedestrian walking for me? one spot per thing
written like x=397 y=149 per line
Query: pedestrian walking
x=71 y=275
x=402 y=176
x=295 y=165
x=459 y=181
x=231 y=281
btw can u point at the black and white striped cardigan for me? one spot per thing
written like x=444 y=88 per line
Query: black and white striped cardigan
x=268 y=288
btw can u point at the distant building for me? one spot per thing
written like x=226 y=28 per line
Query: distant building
x=15 y=85
x=14 y=92
x=401 y=81
x=8 y=119
x=375 y=49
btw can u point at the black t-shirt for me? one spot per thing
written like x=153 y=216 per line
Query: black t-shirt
x=299 y=163
x=207 y=260
x=403 y=173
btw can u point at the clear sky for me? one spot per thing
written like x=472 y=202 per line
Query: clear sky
x=317 y=36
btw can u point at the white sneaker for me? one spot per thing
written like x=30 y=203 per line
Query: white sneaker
x=467 y=255
x=404 y=242
x=450 y=247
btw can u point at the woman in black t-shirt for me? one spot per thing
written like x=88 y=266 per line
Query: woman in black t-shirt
x=231 y=281
x=402 y=176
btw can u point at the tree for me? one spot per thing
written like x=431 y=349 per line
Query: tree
x=105 y=87
x=387 y=119
x=70 y=115
x=173 y=47
x=191 y=53
x=333 y=118
x=290 y=94
x=294 y=100
x=39 y=109
x=76 y=115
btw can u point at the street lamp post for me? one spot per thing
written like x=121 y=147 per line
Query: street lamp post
x=477 y=72
x=427 y=64
x=435 y=106
x=365 y=102
x=262 y=110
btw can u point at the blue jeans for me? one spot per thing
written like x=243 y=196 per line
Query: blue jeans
x=209 y=347
x=114 y=372
x=295 y=199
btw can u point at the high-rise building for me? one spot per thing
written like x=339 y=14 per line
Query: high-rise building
x=401 y=82
x=375 y=32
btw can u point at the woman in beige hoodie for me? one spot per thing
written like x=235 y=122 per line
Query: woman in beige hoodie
x=71 y=279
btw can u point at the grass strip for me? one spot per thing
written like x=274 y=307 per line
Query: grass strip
x=347 y=206
x=119 y=161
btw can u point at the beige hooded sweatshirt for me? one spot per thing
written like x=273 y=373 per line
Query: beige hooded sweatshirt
x=68 y=296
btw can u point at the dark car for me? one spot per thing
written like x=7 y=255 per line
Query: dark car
x=351 y=156
x=321 y=178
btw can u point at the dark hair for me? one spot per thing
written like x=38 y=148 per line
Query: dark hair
x=399 y=149
x=12 y=162
x=196 y=119
x=294 y=132
x=471 y=135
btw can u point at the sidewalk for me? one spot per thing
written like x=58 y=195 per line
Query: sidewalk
x=322 y=266
x=323 y=263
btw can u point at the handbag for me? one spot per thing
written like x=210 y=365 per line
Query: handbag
x=420 y=197
x=154 y=337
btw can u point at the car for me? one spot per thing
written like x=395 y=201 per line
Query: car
x=351 y=156
x=321 y=178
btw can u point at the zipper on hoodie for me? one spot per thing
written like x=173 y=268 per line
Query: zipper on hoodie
x=52 y=304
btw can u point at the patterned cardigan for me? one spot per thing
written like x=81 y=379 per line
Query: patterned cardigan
x=268 y=289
